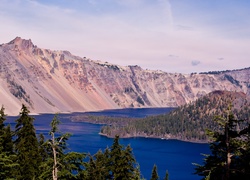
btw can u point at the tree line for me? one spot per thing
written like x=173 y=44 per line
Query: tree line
x=188 y=122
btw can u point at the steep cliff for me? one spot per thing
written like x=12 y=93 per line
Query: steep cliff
x=57 y=81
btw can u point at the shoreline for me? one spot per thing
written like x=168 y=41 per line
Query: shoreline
x=155 y=137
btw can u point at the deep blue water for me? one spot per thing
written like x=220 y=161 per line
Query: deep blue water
x=172 y=155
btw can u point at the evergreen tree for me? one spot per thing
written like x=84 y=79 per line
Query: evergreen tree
x=137 y=173
x=7 y=165
x=7 y=158
x=122 y=161
x=47 y=162
x=166 y=176
x=99 y=166
x=26 y=146
x=7 y=142
x=102 y=164
x=72 y=166
x=106 y=161
x=128 y=163
x=92 y=171
x=115 y=163
x=154 y=175
x=57 y=163
x=115 y=159
x=2 y=119
x=5 y=134
x=244 y=163
x=228 y=146
x=57 y=145
x=44 y=149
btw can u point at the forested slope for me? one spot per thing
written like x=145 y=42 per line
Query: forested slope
x=188 y=122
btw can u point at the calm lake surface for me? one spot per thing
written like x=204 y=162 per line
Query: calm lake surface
x=172 y=155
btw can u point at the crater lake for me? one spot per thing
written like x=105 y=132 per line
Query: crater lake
x=172 y=155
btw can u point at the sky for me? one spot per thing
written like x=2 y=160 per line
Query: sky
x=182 y=36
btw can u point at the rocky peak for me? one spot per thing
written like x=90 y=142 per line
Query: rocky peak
x=22 y=43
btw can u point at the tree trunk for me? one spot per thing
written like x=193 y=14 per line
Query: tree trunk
x=54 y=171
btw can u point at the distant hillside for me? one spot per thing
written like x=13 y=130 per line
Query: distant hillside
x=50 y=81
x=222 y=72
x=187 y=122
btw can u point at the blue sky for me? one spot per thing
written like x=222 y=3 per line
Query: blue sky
x=170 y=35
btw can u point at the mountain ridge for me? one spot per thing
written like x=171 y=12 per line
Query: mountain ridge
x=57 y=81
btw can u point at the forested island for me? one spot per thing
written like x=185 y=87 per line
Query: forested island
x=188 y=122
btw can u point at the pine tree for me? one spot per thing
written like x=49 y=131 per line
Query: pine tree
x=122 y=161
x=92 y=171
x=137 y=173
x=115 y=159
x=57 y=145
x=166 y=176
x=44 y=150
x=102 y=164
x=154 y=175
x=7 y=141
x=106 y=161
x=7 y=158
x=57 y=163
x=2 y=119
x=244 y=163
x=72 y=166
x=5 y=134
x=7 y=165
x=26 y=146
x=128 y=163
x=227 y=149
x=115 y=163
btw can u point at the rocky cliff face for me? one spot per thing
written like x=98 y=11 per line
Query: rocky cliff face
x=57 y=81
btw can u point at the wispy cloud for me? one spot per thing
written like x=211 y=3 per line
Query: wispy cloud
x=195 y=62
x=160 y=34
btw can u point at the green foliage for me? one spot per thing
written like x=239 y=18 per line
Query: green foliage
x=7 y=142
x=56 y=162
x=72 y=166
x=101 y=164
x=166 y=176
x=229 y=150
x=2 y=118
x=92 y=171
x=8 y=163
x=154 y=175
x=26 y=146
x=5 y=134
x=121 y=161
x=115 y=163
x=188 y=122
